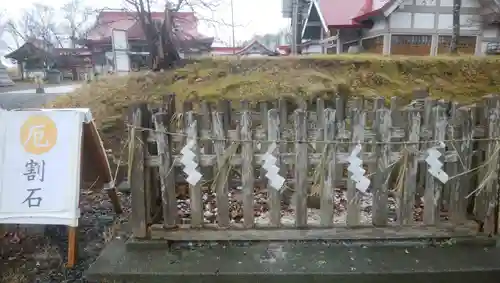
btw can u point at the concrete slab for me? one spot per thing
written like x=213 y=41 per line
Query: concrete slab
x=298 y=262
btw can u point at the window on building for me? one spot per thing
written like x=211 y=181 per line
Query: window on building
x=466 y=44
x=419 y=45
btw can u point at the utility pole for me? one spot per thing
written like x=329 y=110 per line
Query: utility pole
x=295 y=25
x=232 y=27
x=455 y=35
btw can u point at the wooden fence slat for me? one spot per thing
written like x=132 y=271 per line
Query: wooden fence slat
x=381 y=180
x=340 y=117
x=358 y=119
x=433 y=187
x=287 y=192
x=460 y=188
x=320 y=124
x=407 y=196
x=247 y=167
x=301 y=168
x=196 y=201
x=137 y=148
x=378 y=103
x=315 y=124
x=167 y=179
x=263 y=106
x=491 y=186
x=205 y=131
x=273 y=135
x=478 y=161
x=426 y=128
x=451 y=168
x=328 y=182
x=221 y=188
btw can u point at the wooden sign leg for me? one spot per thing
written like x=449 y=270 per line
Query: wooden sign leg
x=71 y=247
x=114 y=200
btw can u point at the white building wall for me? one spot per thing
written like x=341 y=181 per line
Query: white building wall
x=424 y=20
x=400 y=20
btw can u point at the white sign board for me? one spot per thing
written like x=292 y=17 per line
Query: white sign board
x=40 y=162
x=120 y=51
x=122 y=62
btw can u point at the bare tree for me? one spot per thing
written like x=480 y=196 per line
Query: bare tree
x=19 y=30
x=37 y=22
x=162 y=38
x=76 y=17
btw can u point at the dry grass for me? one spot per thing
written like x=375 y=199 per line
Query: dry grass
x=465 y=79
x=13 y=276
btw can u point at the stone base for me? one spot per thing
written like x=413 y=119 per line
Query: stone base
x=467 y=261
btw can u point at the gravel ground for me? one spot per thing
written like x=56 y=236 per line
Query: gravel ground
x=40 y=257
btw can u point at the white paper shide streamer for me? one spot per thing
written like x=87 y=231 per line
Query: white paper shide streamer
x=436 y=166
x=357 y=171
x=275 y=179
x=193 y=176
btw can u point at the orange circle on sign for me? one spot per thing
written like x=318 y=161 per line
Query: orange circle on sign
x=38 y=134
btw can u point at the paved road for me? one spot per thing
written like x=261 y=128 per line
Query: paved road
x=11 y=101
x=28 y=98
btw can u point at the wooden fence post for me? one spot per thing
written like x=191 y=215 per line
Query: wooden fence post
x=273 y=135
x=358 y=118
x=433 y=188
x=301 y=170
x=380 y=187
x=409 y=183
x=137 y=151
x=329 y=170
x=490 y=189
x=247 y=166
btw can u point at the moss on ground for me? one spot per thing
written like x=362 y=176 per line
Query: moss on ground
x=464 y=79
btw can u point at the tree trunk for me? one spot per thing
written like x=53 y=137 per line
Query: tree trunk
x=457 y=4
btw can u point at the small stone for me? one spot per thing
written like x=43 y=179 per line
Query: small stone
x=124 y=187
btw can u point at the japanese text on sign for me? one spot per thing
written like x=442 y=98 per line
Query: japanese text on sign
x=38 y=135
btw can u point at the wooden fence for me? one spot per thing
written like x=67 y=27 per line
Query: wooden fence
x=313 y=142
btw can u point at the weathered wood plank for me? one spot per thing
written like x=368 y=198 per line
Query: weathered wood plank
x=314 y=158
x=381 y=180
x=273 y=134
x=301 y=169
x=263 y=106
x=221 y=188
x=331 y=234
x=247 y=168
x=137 y=148
x=320 y=124
x=287 y=192
x=491 y=185
x=166 y=172
x=205 y=122
x=464 y=123
x=378 y=103
x=409 y=183
x=433 y=187
x=196 y=201
x=340 y=117
x=451 y=168
x=426 y=135
x=329 y=172
x=358 y=118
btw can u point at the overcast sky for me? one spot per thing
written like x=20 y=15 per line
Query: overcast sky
x=251 y=17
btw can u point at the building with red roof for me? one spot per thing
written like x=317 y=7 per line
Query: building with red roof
x=252 y=49
x=189 y=40
x=402 y=27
